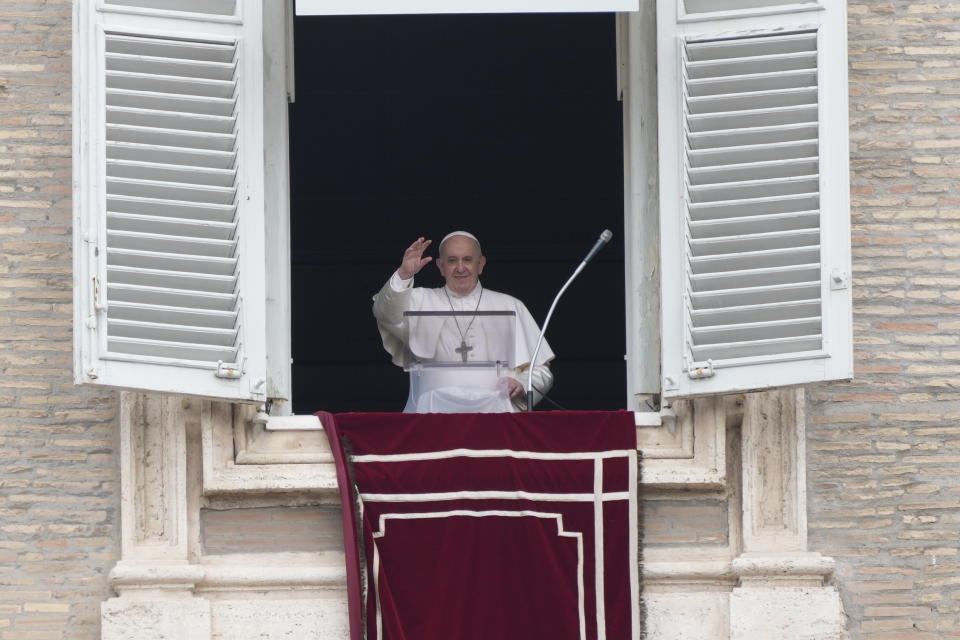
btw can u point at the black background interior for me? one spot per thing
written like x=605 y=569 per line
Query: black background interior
x=505 y=125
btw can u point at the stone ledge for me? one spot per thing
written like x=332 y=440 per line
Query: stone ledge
x=702 y=572
x=127 y=576
x=796 y=565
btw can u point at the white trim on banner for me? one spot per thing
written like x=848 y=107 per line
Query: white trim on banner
x=577 y=536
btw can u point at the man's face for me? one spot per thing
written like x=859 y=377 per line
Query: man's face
x=461 y=264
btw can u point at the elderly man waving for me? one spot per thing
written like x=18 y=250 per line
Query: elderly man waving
x=461 y=337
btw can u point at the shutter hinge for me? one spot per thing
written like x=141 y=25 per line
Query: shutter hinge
x=699 y=370
x=230 y=371
x=97 y=295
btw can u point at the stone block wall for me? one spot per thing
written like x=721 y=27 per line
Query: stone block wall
x=59 y=481
x=884 y=451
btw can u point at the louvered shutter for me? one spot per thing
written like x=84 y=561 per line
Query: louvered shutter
x=168 y=196
x=754 y=200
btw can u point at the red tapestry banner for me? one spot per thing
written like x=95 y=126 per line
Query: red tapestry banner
x=479 y=526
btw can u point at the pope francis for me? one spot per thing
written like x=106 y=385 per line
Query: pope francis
x=465 y=336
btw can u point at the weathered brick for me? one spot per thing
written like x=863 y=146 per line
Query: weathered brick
x=62 y=600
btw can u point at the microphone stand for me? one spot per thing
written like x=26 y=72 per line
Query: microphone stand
x=604 y=239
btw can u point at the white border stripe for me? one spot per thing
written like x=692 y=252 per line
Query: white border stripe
x=634 y=550
x=376 y=587
x=599 y=594
x=577 y=536
x=495 y=495
x=488 y=453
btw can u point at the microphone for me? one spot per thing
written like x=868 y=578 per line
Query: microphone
x=603 y=240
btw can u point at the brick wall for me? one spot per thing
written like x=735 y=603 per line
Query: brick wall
x=59 y=484
x=884 y=451
x=272 y=530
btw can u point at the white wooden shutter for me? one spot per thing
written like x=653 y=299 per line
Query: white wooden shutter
x=168 y=196
x=754 y=198
x=374 y=7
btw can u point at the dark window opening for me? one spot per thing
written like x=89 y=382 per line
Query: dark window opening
x=506 y=125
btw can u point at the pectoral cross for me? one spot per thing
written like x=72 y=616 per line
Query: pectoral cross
x=464 y=350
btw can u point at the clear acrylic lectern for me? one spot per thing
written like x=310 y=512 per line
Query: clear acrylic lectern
x=457 y=360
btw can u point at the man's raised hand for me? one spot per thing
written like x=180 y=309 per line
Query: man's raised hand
x=413 y=259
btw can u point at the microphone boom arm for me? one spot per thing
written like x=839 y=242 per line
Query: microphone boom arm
x=604 y=239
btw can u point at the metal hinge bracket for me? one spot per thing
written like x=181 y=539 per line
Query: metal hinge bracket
x=225 y=370
x=699 y=370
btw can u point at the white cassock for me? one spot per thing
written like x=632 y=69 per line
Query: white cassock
x=459 y=394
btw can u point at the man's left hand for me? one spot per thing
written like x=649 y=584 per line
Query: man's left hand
x=514 y=388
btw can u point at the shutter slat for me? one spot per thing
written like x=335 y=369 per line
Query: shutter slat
x=755 y=295
x=742 y=154
x=783 y=168
x=170 y=48
x=207 y=336
x=199 y=87
x=750 y=331
x=747 y=278
x=755 y=348
x=181 y=245
x=210 y=7
x=751 y=189
x=171 y=262
x=169 y=226
x=166 y=66
x=173 y=120
x=161 y=172
x=755 y=224
x=739 y=67
x=170 y=102
x=169 y=297
x=755 y=259
x=755 y=135
x=171 y=191
x=752 y=100
x=744 y=243
x=174 y=315
x=136 y=152
x=753 y=82
x=757 y=206
x=173 y=208
x=162 y=278
x=753 y=118
x=741 y=47
x=171 y=350
x=756 y=313
x=171 y=137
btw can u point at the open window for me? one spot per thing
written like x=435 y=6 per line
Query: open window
x=507 y=125
x=181 y=194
